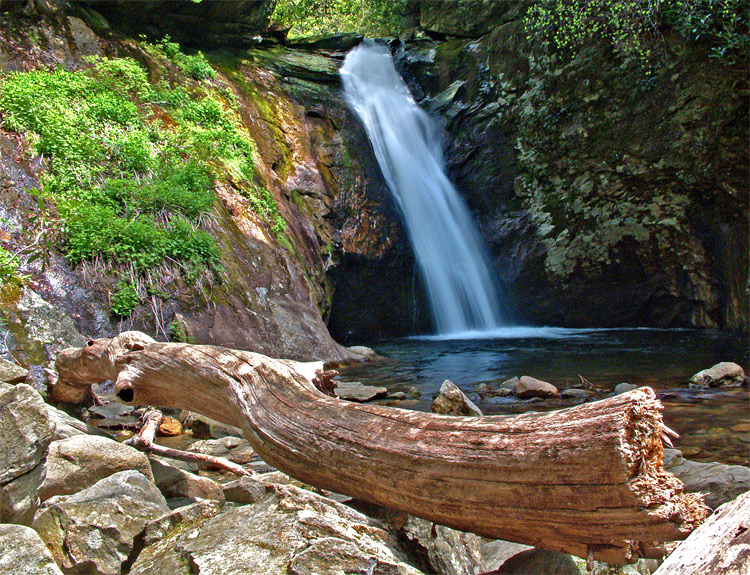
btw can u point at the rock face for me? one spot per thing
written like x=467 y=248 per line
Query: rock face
x=452 y=401
x=93 y=531
x=24 y=553
x=720 y=375
x=290 y=530
x=531 y=387
x=25 y=434
x=78 y=462
x=586 y=228
x=204 y=24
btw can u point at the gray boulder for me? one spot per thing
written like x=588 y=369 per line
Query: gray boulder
x=624 y=387
x=233 y=448
x=245 y=490
x=175 y=483
x=290 y=530
x=206 y=428
x=24 y=553
x=724 y=374
x=442 y=549
x=452 y=401
x=720 y=482
x=11 y=372
x=25 y=434
x=531 y=387
x=93 y=531
x=78 y=462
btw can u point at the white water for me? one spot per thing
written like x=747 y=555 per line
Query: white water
x=450 y=254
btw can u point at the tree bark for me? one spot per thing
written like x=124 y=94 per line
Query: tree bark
x=588 y=479
x=721 y=546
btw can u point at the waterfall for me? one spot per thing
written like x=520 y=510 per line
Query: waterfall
x=452 y=259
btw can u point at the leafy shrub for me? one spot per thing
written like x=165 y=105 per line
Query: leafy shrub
x=124 y=300
x=196 y=66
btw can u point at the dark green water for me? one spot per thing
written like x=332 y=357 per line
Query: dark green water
x=714 y=425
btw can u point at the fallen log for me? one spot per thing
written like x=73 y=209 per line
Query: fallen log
x=588 y=480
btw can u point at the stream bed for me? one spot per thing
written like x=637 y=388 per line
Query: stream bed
x=714 y=424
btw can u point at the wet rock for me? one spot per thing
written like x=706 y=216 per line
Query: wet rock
x=12 y=372
x=93 y=531
x=245 y=490
x=206 y=428
x=452 y=401
x=362 y=353
x=170 y=427
x=233 y=448
x=577 y=393
x=442 y=549
x=355 y=391
x=25 y=434
x=290 y=531
x=80 y=461
x=24 y=553
x=720 y=482
x=724 y=374
x=624 y=388
x=529 y=387
x=176 y=483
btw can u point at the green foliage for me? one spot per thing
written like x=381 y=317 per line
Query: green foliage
x=177 y=332
x=8 y=268
x=317 y=17
x=124 y=300
x=132 y=167
x=633 y=26
x=196 y=66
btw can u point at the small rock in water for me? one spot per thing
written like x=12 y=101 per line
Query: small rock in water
x=576 y=393
x=624 y=388
x=355 y=391
x=531 y=387
x=510 y=385
x=170 y=427
x=398 y=396
x=452 y=401
x=724 y=374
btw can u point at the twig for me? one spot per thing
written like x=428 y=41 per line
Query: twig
x=144 y=441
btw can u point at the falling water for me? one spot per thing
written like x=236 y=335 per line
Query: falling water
x=450 y=254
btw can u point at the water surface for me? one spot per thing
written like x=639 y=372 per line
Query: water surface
x=713 y=424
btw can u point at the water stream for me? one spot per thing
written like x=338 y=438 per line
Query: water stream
x=451 y=256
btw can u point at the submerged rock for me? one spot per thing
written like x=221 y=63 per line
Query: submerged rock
x=93 y=531
x=529 y=387
x=78 y=462
x=452 y=401
x=724 y=374
x=25 y=434
x=290 y=530
x=24 y=553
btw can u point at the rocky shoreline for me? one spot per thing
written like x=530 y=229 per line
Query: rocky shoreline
x=86 y=503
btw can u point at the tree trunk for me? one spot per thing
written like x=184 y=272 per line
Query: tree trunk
x=721 y=546
x=583 y=480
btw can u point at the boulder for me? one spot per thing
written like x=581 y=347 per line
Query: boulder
x=577 y=393
x=245 y=490
x=452 y=401
x=175 y=483
x=25 y=434
x=531 y=387
x=720 y=482
x=355 y=391
x=539 y=561
x=24 y=553
x=206 y=428
x=724 y=374
x=290 y=530
x=624 y=387
x=442 y=549
x=65 y=425
x=80 y=461
x=181 y=517
x=12 y=372
x=93 y=531
x=233 y=448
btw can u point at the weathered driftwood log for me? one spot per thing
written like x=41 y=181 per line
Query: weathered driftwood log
x=583 y=480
